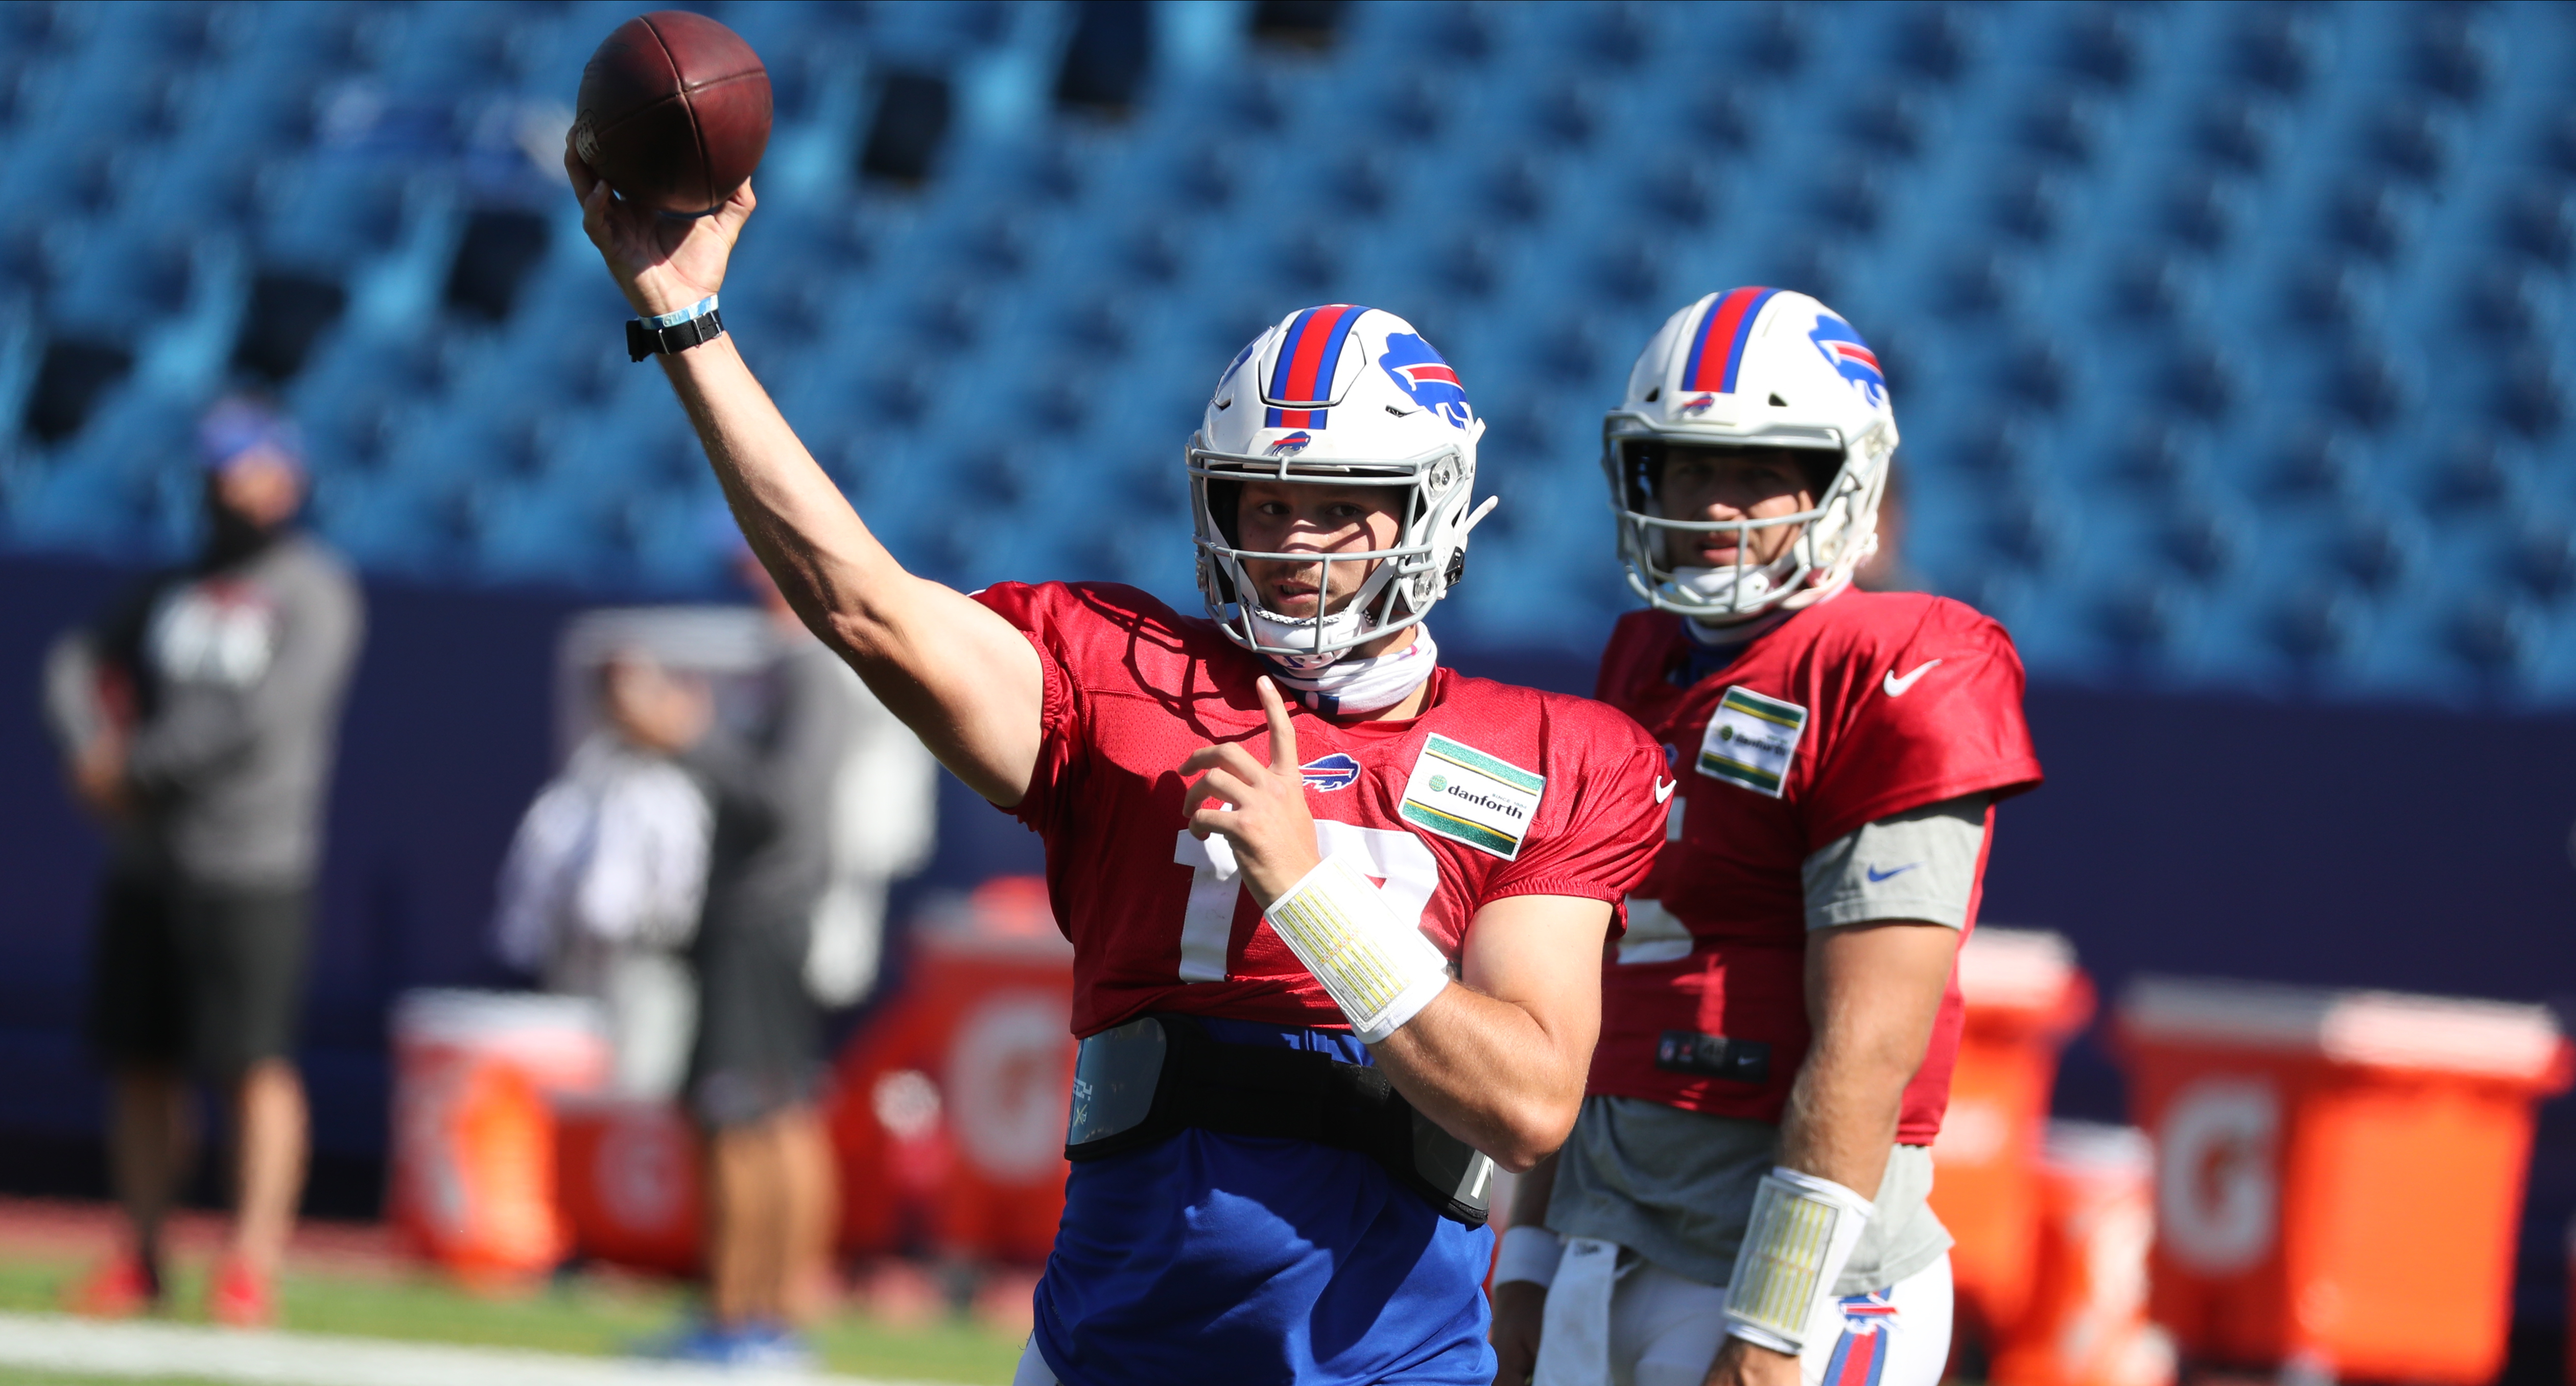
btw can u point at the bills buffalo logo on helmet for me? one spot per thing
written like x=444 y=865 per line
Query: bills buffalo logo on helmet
x=1426 y=379
x=1335 y=771
x=1696 y=404
x=1290 y=445
x=1851 y=357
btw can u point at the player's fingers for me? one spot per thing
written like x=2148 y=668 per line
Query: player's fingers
x=1229 y=754
x=1221 y=783
x=1283 y=733
x=594 y=212
x=582 y=178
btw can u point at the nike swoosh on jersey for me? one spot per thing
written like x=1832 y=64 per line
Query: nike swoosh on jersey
x=1664 y=788
x=1896 y=687
x=1876 y=875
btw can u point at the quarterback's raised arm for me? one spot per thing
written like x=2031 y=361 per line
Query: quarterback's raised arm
x=965 y=680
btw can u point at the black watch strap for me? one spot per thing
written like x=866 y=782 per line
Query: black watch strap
x=643 y=340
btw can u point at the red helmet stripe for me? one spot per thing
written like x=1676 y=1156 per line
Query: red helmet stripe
x=1728 y=325
x=1313 y=349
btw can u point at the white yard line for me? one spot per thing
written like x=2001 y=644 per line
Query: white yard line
x=88 y=1347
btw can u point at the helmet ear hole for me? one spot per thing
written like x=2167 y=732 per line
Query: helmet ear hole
x=1778 y=403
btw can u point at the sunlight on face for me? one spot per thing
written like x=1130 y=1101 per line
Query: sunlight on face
x=1699 y=483
x=1303 y=517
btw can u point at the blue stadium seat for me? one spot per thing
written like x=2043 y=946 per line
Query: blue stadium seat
x=2192 y=313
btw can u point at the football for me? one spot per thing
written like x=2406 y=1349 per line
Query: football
x=673 y=112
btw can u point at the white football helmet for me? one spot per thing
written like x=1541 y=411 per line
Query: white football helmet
x=1751 y=367
x=1350 y=396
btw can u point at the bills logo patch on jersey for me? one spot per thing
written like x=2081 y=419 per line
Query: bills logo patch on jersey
x=1465 y=795
x=1328 y=773
x=1289 y=446
x=1850 y=357
x=1426 y=379
x=1752 y=740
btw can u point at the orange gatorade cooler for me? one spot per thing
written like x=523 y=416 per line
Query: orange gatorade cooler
x=626 y=1176
x=473 y=1174
x=949 y=1108
x=2339 y=1175
x=2086 y=1322
x=2024 y=997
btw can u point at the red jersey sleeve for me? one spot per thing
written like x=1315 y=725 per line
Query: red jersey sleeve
x=1937 y=715
x=1613 y=818
x=1039 y=612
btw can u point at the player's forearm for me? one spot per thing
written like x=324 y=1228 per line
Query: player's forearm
x=1490 y=1074
x=963 y=679
x=1873 y=992
x=1841 y=1117
x=840 y=580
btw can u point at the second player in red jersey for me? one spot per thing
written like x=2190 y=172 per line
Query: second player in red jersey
x=1862 y=707
x=1743 y=1202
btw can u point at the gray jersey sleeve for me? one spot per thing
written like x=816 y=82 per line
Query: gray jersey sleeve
x=1919 y=864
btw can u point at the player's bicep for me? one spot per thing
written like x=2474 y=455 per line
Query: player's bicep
x=1542 y=953
x=966 y=680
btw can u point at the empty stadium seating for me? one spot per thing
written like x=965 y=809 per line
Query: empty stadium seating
x=2230 y=343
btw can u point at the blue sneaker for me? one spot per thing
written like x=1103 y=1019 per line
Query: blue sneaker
x=780 y=1347
x=707 y=1343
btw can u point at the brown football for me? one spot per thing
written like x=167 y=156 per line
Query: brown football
x=673 y=112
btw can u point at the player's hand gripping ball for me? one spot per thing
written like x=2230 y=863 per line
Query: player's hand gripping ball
x=673 y=112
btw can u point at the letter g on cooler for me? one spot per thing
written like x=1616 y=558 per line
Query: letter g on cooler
x=2218 y=1173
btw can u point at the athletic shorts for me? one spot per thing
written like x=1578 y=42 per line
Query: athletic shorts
x=208 y=978
x=1662 y=1329
x=1252 y=1260
x=759 y=1047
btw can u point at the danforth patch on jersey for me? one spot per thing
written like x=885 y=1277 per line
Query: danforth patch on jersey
x=1751 y=740
x=1467 y=796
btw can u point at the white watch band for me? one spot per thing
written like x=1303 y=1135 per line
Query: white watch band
x=1380 y=970
x=1528 y=1253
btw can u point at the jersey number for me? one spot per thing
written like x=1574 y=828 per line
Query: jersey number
x=1398 y=859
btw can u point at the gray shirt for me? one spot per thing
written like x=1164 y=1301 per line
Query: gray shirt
x=238 y=672
x=771 y=774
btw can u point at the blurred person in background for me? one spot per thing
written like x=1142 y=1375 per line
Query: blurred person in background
x=601 y=893
x=820 y=798
x=199 y=719
x=1744 y=1199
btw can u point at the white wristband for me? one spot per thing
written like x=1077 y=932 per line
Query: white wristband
x=1378 y=969
x=695 y=310
x=1801 y=1236
x=1528 y=1253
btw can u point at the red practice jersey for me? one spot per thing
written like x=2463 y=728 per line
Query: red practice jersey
x=1862 y=706
x=1493 y=791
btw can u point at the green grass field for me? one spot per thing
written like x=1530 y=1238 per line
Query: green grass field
x=579 y=1314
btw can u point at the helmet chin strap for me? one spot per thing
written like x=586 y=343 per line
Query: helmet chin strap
x=1356 y=684
x=1341 y=630
x=1729 y=584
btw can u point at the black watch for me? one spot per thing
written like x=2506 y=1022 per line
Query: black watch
x=643 y=340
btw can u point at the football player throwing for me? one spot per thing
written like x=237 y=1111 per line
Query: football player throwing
x=1334 y=952
x=1743 y=1198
